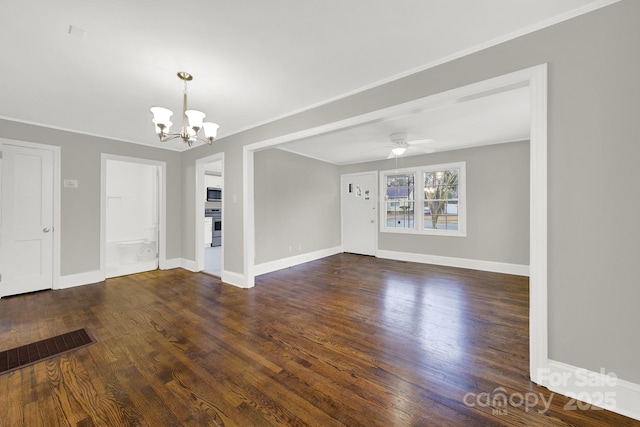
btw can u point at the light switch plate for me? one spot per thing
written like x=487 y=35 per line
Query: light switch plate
x=70 y=183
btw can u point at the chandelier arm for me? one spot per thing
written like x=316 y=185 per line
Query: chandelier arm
x=207 y=140
x=169 y=136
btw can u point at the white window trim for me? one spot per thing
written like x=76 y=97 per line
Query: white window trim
x=418 y=220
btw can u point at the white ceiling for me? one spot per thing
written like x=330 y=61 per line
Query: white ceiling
x=252 y=60
x=496 y=118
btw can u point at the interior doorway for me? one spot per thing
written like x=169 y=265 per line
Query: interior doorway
x=535 y=78
x=132 y=215
x=209 y=215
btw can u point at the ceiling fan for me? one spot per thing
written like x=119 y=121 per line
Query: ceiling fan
x=400 y=145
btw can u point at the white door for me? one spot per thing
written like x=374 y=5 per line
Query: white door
x=359 y=213
x=27 y=220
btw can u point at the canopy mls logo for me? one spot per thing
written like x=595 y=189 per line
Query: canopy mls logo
x=498 y=400
x=596 y=393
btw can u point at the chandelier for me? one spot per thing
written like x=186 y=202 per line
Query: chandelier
x=191 y=121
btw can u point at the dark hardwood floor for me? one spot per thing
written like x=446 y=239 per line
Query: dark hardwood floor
x=346 y=340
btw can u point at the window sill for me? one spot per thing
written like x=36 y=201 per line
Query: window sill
x=444 y=233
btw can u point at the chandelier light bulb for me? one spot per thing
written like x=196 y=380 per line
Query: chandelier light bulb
x=210 y=130
x=162 y=127
x=161 y=116
x=195 y=118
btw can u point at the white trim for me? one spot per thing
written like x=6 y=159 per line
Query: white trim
x=270 y=266
x=473 y=264
x=199 y=205
x=538 y=310
x=80 y=279
x=235 y=279
x=601 y=389
x=188 y=264
x=162 y=209
x=536 y=78
x=248 y=216
x=57 y=229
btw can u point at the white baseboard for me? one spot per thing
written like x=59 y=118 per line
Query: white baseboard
x=235 y=279
x=79 y=279
x=474 y=264
x=602 y=389
x=168 y=264
x=188 y=264
x=268 y=267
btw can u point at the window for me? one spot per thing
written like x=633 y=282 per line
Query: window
x=437 y=207
x=400 y=202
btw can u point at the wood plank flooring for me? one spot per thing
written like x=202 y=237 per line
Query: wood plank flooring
x=343 y=341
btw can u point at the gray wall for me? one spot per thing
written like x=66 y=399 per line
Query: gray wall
x=297 y=204
x=80 y=208
x=594 y=105
x=497 y=205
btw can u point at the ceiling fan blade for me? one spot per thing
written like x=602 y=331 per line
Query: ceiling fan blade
x=421 y=141
x=422 y=149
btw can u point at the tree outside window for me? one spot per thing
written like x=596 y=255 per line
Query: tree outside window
x=441 y=199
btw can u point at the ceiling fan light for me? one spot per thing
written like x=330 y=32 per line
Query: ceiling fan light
x=398 y=151
x=195 y=118
x=210 y=130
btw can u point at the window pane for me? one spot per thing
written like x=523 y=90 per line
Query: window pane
x=441 y=184
x=400 y=216
x=441 y=222
x=441 y=200
x=452 y=222
x=399 y=201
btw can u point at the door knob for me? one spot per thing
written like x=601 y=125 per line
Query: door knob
x=46 y=230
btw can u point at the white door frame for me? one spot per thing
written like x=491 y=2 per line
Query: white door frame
x=162 y=208
x=56 y=199
x=377 y=201
x=536 y=79
x=199 y=210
